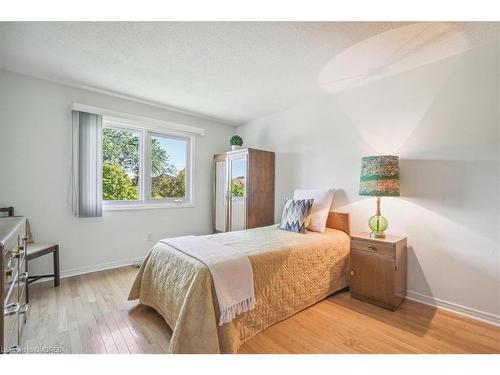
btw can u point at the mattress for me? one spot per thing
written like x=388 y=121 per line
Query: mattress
x=291 y=271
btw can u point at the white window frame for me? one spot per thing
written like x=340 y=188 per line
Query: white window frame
x=146 y=130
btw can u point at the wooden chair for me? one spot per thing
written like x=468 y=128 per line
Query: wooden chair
x=36 y=250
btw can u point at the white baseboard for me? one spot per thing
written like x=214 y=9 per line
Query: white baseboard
x=100 y=267
x=89 y=269
x=454 y=307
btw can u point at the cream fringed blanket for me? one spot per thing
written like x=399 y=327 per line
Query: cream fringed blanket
x=291 y=271
x=231 y=273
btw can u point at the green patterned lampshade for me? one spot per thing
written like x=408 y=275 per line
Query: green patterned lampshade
x=379 y=176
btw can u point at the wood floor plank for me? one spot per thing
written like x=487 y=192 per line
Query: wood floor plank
x=91 y=314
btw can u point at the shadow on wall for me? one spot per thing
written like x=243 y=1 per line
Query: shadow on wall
x=462 y=190
x=426 y=315
x=439 y=197
x=288 y=182
x=285 y=162
x=339 y=199
x=417 y=327
x=450 y=196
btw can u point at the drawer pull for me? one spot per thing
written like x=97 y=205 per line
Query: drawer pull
x=11 y=309
x=353 y=273
x=13 y=350
x=23 y=309
x=24 y=276
x=372 y=248
x=23 y=241
x=10 y=266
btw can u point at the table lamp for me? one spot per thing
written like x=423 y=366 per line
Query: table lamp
x=379 y=178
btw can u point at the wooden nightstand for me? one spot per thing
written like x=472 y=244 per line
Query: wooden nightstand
x=378 y=269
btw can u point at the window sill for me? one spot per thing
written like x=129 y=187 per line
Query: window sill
x=144 y=206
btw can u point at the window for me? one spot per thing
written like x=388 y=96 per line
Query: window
x=144 y=168
x=120 y=164
x=168 y=167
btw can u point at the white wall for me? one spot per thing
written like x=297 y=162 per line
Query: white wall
x=35 y=159
x=442 y=119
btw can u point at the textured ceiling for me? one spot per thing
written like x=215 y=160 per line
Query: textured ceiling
x=230 y=71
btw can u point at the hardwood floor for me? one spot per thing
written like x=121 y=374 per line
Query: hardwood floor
x=91 y=314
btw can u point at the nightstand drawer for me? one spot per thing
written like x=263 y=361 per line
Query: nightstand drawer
x=373 y=247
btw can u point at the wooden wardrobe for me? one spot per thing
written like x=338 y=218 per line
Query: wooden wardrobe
x=243 y=190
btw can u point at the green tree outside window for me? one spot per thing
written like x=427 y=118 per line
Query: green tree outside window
x=117 y=185
x=120 y=171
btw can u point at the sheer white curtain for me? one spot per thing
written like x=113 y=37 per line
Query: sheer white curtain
x=86 y=179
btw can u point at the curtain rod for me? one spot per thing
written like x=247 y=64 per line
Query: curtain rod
x=137 y=119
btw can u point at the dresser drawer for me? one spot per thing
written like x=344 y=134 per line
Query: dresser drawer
x=373 y=248
x=9 y=272
x=11 y=315
x=10 y=336
x=22 y=283
x=13 y=242
x=12 y=281
x=23 y=307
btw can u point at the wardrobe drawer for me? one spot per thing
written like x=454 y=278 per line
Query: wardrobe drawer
x=373 y=248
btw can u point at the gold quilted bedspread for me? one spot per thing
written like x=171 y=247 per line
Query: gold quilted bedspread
x=291 y=271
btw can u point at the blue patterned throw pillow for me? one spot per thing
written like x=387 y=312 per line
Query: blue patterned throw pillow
x=295 y=215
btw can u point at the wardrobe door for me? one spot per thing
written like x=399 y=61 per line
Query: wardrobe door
x=238 y=191
x=221 y=198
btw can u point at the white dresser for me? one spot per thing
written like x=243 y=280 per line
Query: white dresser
x=13 y=282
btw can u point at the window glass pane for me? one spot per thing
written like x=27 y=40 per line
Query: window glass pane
x=168 y=167
x=238 y=178
x=120 y=164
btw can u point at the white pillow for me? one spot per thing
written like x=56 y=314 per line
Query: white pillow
x=320 y=209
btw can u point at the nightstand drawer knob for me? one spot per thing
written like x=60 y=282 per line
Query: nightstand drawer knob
x=353 y=273
x=372 y=248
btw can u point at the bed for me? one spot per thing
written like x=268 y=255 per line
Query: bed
x=291 y=271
